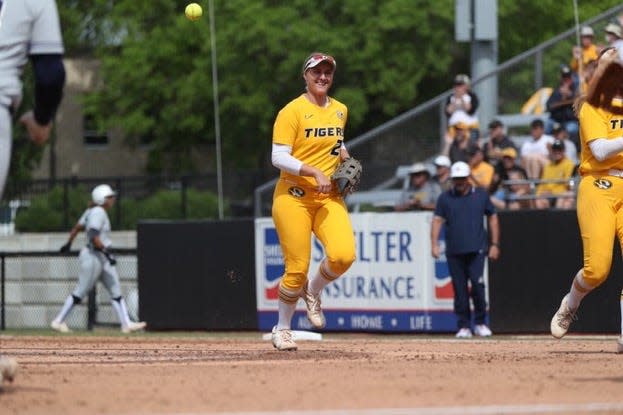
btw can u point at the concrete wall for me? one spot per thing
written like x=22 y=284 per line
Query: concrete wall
x=36 y=286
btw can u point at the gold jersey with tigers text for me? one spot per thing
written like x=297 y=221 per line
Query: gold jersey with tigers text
x=598 y=123
x=315 y=134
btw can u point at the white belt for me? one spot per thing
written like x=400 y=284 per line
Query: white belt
x=615 y=172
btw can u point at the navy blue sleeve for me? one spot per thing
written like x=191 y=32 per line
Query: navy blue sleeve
x=49 y=82
x=489 y=207
x=440 y=206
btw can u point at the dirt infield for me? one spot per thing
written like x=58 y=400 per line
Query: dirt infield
x=234 y=373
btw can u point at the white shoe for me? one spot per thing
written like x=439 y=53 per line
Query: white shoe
x=314 y=312
x=562 y=319
x=132 y=327
x=8 y=368
x=60 y=326
x=482 y=330
x=463 y=333
x=283 y=340
x=620 y=344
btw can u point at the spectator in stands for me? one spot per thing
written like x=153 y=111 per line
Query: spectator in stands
x=614 y=38
x=500 y=173
x=582 y=55
x=482 y=172
x=442 y=176
x=422 y=192
x=462 y=104
x=516 y=193
x=553 y=192
x=456 y=143
x=497 y=142
x=571 y=152
x=560 y=104
x=535 y=152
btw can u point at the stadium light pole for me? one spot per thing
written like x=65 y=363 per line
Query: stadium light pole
x=217 y=122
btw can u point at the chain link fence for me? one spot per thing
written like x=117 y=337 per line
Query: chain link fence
x=34 y=286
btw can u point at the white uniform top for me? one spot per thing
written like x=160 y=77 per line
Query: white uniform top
x=96 y=218
x=27 y=27
x=540 y=146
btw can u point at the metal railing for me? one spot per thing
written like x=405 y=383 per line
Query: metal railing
x=416 y=134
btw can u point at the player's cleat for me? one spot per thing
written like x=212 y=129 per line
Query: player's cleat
x=283 y=340
x=620 y=344
x=463 y=333
x=314 y=312
x=8 y=368
x=482 y=330
x=562 y=319
x=60 y=326
x=132 y=327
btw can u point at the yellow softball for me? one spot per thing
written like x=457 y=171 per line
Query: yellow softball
x=193 y=11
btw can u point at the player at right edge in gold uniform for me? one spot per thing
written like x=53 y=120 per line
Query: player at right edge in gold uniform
x=308 y=145
x=600 y=192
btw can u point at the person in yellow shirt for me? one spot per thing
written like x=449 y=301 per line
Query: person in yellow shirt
x=600 y=191
x=308 y=145
x=482 y=172
x=585 y=53
x=555 y=180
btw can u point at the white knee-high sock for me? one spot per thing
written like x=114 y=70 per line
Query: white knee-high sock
x=122 y=311
x=286 y=312
x=579 y=289
x=321 y=279
x=67 y=306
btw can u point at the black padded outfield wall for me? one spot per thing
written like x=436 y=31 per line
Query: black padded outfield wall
x=541 y=253
x=195 y=275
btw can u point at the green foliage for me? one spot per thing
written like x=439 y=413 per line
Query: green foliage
x=391 y=55
x=47 y=212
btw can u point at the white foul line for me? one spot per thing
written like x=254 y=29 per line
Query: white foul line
x=448 y=410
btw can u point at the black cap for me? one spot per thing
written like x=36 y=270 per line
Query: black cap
x=565 y=70
x=495 y=124
x=558 y=145
x=537 y=123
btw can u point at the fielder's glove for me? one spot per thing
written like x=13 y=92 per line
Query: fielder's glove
x=65 y=248
x=347 y=176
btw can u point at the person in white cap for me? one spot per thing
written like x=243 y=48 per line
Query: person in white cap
x=584 y=53
x=461 y=210
x=96 y=262
x=422 y=192
x=614 y=37
x=442 y=175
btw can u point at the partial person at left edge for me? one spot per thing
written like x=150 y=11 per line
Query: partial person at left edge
x=28 y=29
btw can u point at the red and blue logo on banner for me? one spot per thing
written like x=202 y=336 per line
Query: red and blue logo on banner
x=273 y=263
x=443 y=281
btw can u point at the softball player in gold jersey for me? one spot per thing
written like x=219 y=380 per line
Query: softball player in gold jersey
x=308 y=145
x=600 y=192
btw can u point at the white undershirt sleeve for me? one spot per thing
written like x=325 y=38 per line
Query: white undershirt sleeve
x=603 y=148
x=282 y=159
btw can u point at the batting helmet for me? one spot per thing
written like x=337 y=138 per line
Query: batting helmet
x=100 y=193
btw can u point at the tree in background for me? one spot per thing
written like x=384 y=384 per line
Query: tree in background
x=392 y=55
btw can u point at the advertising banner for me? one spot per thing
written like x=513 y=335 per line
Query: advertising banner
x=394 y=285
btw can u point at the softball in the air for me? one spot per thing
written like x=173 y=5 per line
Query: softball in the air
x=193 y=11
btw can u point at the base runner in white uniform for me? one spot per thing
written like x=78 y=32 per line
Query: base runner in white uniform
x=96 y=262
x=28 y=29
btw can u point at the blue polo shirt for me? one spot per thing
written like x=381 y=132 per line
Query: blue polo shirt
x=464 y=224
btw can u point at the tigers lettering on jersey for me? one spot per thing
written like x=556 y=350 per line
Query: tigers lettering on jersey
x=324 y=132
x=613 y=124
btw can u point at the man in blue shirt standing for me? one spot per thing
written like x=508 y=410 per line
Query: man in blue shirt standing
x=461 y=209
